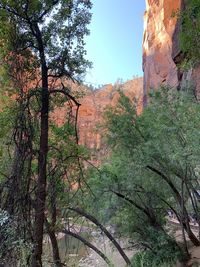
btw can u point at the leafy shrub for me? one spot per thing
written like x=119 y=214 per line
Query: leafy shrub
x=13 y=249
x=145 y=259
x=163 y=252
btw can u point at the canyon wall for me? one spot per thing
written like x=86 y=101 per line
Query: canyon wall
x=159 y=29
x=93 y=105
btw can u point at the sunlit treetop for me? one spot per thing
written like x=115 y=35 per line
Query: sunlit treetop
x=58 y=26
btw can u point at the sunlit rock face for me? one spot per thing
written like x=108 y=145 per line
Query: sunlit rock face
x=159 y=27
x=91 y=112
x=90 y=115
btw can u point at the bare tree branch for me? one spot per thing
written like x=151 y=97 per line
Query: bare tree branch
x=104 y=230
x=88 y=244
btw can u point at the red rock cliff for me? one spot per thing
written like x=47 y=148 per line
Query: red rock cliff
x=159 y=28
x=91 y=111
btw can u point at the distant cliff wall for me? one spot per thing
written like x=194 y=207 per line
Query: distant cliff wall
x=93 y=105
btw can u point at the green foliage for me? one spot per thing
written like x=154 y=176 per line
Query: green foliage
x=128 y=194
x=166 y=132
x=64 y=162
x=190 y=32
x=13 y=248
x=164 y=252
x=41 y=46
x=63 y=25
x=7 y=120
x=145 y=259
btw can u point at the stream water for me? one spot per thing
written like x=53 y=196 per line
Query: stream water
x=75 y=254
x=71 y=250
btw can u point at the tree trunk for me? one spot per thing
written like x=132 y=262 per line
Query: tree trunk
x=50 y=226
x=42 y=160
x=54 y=244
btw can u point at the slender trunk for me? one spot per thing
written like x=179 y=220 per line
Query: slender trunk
x=182 y=227
x=51 y=226
x=55 y=250
x=54 y=244
x=185 y=216
x=42 y=160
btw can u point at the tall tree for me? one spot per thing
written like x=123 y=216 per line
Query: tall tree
x=154 y=168
x=49 y=35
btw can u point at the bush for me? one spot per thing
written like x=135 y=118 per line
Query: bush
x=163 y=252
x=145 y=259
x=13 y=249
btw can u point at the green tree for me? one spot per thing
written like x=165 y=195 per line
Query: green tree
x=153 y=169
x=48 y=37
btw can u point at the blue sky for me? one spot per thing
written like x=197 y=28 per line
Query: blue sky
x=115 y=42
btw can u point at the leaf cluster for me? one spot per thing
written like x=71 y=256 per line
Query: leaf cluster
x=190 y=32
x=62 y=25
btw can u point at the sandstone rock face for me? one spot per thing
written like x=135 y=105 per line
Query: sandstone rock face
x=161 y=49
x=159 y=28
x=90 y=115
x=91 y=112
